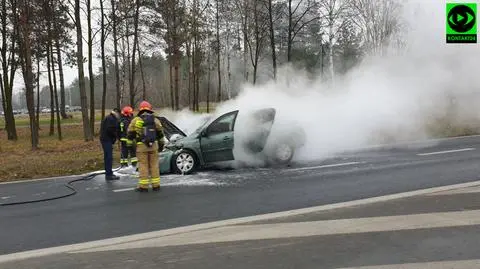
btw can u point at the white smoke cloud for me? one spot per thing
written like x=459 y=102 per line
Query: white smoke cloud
x=187 y=121
x=394 y=96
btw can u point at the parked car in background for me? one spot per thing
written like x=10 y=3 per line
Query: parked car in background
x=214 y=141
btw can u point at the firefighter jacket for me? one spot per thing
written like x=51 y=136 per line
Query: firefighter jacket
x=135 y=132
x=124 y=123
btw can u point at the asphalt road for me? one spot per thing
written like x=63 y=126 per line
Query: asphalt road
x=103 y=210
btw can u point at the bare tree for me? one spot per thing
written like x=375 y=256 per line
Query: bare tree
x=48 y=44
x=62 y=79
x=25 y=24
x=334 y=12
x=299 y=16
x=260 y=33
x=49 y=72
x=61 y=31
x=38 y=90
x=142 y=73
x=90 y=66
x=9 y=65
x=87 y=131
x=104 y=68
x=135 y=45
x=172 y=16
x=57 y=107
x=272 y=38
x=377 y=20
x=218 y=51
x=115 y=52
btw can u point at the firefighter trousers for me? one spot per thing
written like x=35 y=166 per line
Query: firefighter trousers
x=148 y=169
x=128 y=153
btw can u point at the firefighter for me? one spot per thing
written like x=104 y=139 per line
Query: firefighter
x=109 y=133
x=128 y=153
x=148 y=134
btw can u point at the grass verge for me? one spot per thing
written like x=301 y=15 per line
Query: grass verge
x=70 y=156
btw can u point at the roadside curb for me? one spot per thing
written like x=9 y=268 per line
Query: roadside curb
x=237 y=221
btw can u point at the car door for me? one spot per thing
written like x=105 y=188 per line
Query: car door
x=259 y=125
x=216 y=141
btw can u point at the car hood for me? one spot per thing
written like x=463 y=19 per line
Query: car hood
x=170 y=129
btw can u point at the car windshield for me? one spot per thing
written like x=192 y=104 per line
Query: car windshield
x=205 y=123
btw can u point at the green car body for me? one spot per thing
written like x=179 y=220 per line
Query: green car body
x=214 y=142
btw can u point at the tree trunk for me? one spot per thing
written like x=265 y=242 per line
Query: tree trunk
x=142 y=73
x=127 y=66
x=170 y=60
x=38 y=92
x=257 y=43
x=90 y=67
x=208 y=81
x=81 y=76
x=290 y=30
x=135 y=44
x=195 y=72
x=57 y=108
x=219 y=49
x=190 y=72
x=177 y=75
x=3 y=55
x=104 y=68
x=115 y=52
x=27 y=70
x=8 y=64
x=245 y=41
x=62 y=80
x=50 y=84
x=330 y=44
x=229 y=73
x=2 y=91
x=272 y=39
x=197 y=93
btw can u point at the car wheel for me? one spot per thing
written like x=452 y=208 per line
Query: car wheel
x=184 y=162
x=283 y=153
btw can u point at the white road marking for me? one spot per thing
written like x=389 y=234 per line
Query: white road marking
x=323 y=166
x=458 y=191
x=305 y=229
x=461 y=264
x=445 y=151
x=421 y=143
x=122 y=190
x=6 y=197
x=222 y=223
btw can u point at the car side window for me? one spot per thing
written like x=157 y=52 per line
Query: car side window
x=222 y=125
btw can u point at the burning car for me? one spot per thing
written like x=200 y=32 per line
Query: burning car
x=217 y=138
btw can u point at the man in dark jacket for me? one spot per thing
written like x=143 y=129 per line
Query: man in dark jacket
x=109 y=133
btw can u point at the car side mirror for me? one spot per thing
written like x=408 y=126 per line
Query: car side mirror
x=204 y=133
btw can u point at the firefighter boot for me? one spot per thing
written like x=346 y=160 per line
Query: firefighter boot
x=141 y=189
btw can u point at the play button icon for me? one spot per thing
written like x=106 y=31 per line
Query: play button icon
x=461 y=18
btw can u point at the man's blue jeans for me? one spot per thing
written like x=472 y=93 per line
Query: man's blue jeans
x=108 y=157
